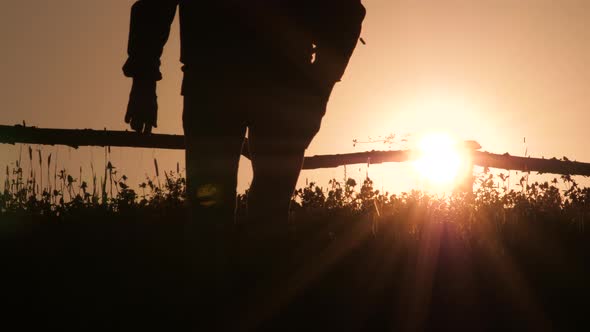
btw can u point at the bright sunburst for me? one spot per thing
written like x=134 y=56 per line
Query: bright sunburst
x=440 y=159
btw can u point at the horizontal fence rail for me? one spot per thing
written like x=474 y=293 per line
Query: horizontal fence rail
x=87 y=137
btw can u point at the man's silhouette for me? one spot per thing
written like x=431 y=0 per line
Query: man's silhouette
x=266 y=66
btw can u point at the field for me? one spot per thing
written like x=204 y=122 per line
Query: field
x=103 y=256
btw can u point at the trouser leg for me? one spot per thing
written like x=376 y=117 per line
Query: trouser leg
x=275 y=177
x=214 y=141
x=277 y=142
x=213 y=146
x=211 y=181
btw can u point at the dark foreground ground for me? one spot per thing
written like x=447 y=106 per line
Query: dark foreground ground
x=328 y=274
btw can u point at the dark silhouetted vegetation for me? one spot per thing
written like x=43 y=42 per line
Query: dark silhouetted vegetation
x=105 y=256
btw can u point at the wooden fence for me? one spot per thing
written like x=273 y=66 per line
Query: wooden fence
x=86 y=137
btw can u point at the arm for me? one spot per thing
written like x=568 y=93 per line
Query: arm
x=150 y=28
x=336 y=33
x=149 y=31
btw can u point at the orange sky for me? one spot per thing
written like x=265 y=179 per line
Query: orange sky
x=494 y=71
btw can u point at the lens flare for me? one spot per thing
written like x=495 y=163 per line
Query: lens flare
x=440 y=160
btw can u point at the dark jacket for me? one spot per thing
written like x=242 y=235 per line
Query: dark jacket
x=229 y=39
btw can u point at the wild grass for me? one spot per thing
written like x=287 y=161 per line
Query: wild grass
x=45 y=190
x=362 y=259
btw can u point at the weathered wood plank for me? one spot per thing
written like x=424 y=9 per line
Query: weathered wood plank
x=87 y=137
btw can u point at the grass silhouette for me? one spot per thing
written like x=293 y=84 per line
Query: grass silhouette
x=106 y=256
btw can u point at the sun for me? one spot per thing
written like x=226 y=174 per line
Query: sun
x=440 y=160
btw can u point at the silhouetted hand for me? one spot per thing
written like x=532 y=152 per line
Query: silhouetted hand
x=142 y=110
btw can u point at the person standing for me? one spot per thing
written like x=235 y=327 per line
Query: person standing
x=265 y=66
